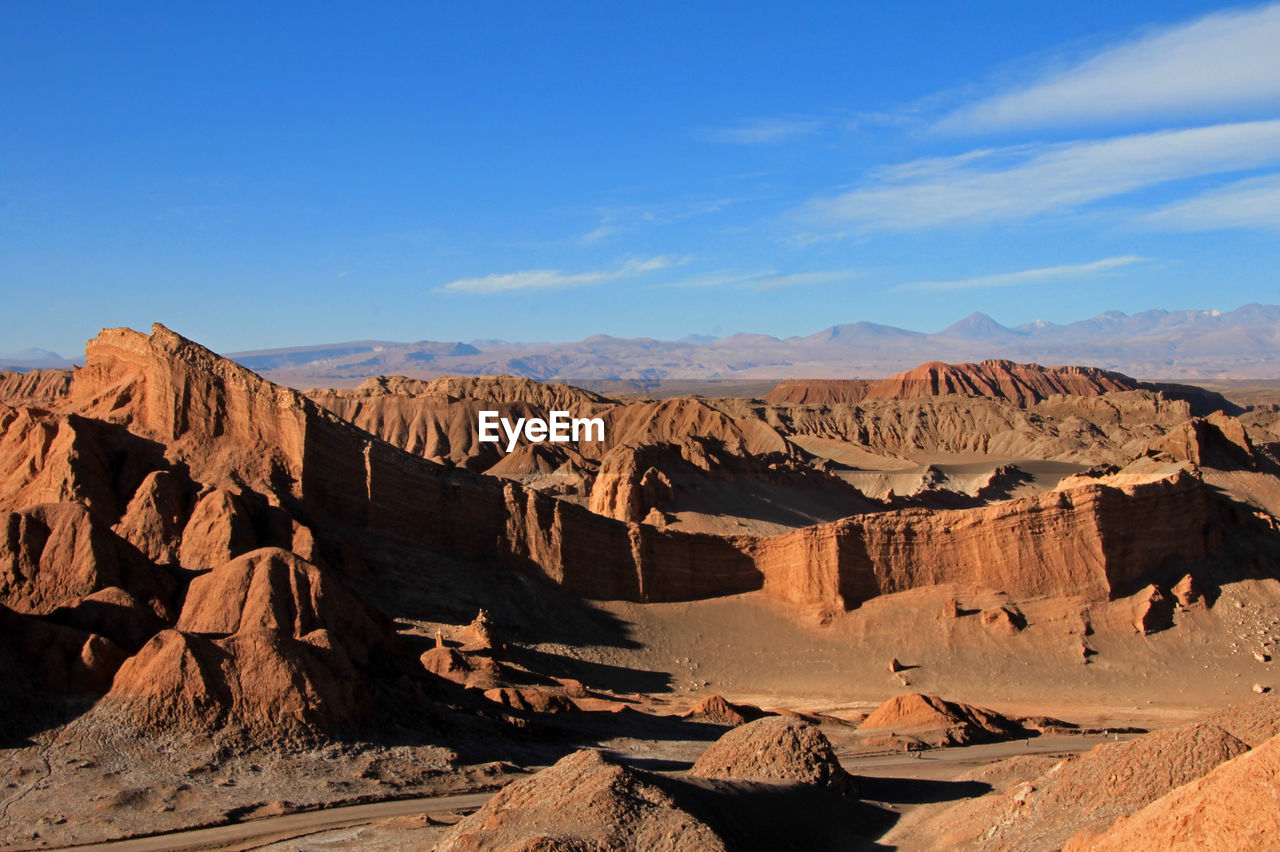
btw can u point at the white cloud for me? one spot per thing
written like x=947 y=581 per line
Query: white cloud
x=777 y=281
x=1248 y=203
x=718 y=278
x=1221 y=61
x=1027 y=276
x=1010 y=184
x=764 y=131
x=767 y=279
x=555 y=279
x=604 y=231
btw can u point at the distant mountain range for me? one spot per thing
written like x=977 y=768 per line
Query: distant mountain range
x=33 y=359
x=1240 y=344
x=1157 y=344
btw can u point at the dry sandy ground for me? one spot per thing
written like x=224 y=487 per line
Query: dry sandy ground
x=754 y=650
x=898 y=786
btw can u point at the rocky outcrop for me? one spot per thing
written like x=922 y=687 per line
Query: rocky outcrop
x=218 y=529
x=628 y=485
x=1090 y=791
x=113 y=613
x=1188 y=591
x=36 y=387
x=1253 y=722
x=58 y=458
x=448 y=663
x=276 y=688
x=1217 y=441
x=54 y=555
x=720 y=711
x=776 y=749
x=1152 y=610
x=546 y=395
x=584 y=801
x=1021 y=384
x=156 y=516
x=268 y=643
x=674 y=421
x=274 y=590
x=54 y=658
x=1232 y=807
x=1003 y=620
x=1108 y=428
x=821 y=391
x=1096 y=539
x=940 y=722
x=530 y=699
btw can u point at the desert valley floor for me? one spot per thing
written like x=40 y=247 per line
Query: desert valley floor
x=974 y=606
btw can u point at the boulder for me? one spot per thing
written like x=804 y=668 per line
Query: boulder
x=583 y=802
x=776 y=749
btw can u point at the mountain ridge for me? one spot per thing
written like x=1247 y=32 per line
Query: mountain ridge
x=1188 y=344
x=1243 y=343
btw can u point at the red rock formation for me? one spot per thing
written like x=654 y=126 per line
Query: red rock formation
x=53 y=555
x=1218 y=441
x=530 y=699
x=940 y=721
x=36 y=387
x=227 y=425
x=1152 y=610
x=628 y=485
x=481 y=636
x=113 y=613
x=1021 y=384
x=720 y=711
x=275 y=590
x=1003 y=620
x=545 y=395
x=1232 y=807
x=775 y=749
x=53 y=658
x=267 y=643
x=584 y=801
x=156 y=516
x=52 y=458
x=1090 y=791
x=218 y=529
x=821 y=391
x=447 y=663
x=1094 y=540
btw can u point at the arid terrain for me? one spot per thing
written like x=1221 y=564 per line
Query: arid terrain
x=987 y=605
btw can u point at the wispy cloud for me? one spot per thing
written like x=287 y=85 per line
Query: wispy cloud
x=1221 y=61
x=764 y=131
x=603 y=232
x=555 y=279
x=1027 y=276
x=1252 y=203
x=802 y=279
x=717 y=278
x=766 y=279
x=1010 y=184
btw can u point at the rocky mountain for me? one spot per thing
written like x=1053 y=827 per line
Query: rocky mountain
x=1238 y=344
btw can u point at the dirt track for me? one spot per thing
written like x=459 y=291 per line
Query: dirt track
x=259 y=832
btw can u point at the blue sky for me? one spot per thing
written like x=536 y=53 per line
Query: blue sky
x=258 y=175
